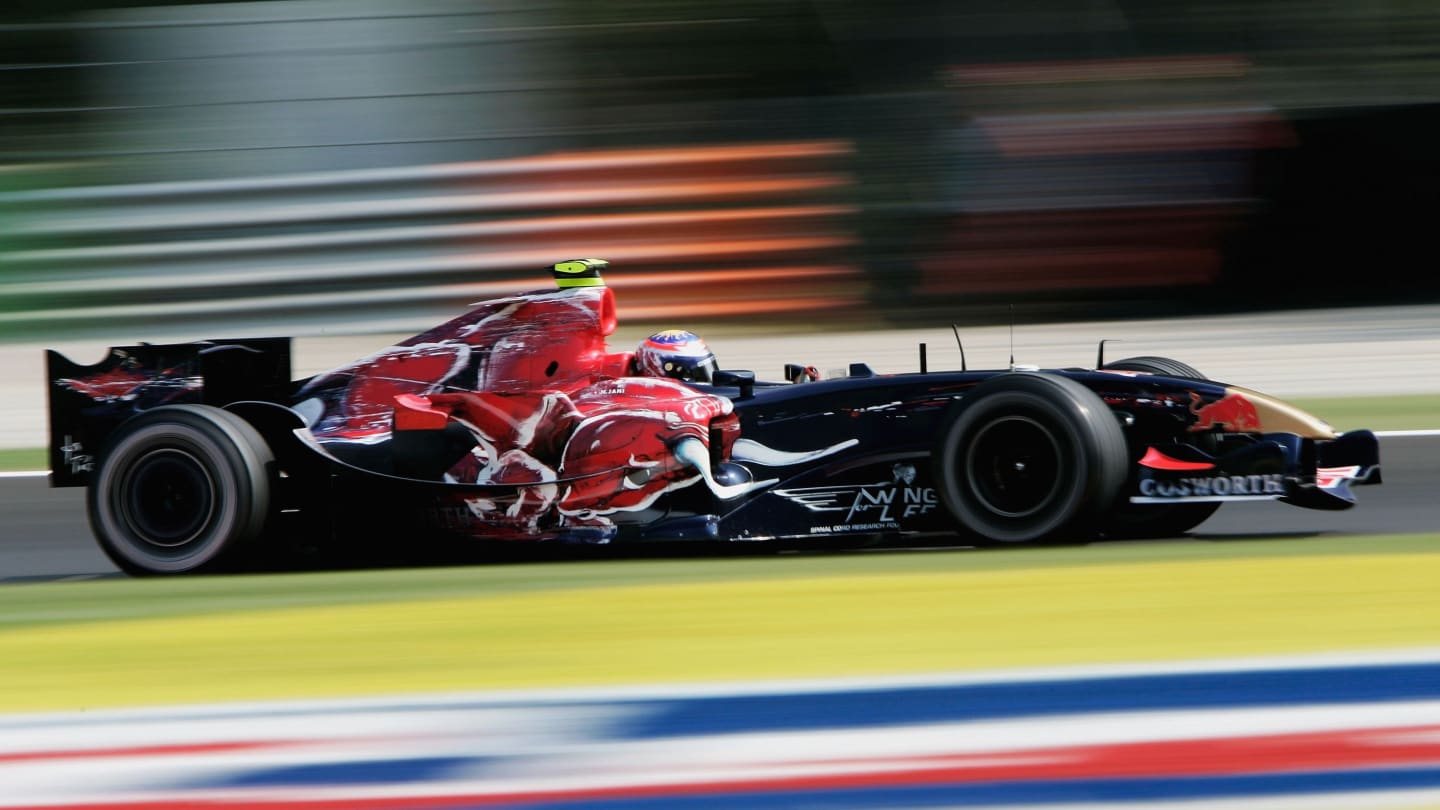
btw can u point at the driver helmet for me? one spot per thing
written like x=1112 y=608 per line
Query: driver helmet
x=677 y=354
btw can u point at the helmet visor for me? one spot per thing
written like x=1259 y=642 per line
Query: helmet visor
x=692 y=369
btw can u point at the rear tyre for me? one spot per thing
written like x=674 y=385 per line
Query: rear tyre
x=181 y=489
x=1146 y=520
x=1030 y=458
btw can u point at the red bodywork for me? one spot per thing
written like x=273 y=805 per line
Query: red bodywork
x=551 y=409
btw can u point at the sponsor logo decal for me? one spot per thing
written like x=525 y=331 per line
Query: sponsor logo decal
x=1215 y=486
x=1233 y=412
x=879 y=506
x=74 y=457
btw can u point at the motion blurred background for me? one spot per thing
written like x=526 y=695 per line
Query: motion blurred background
x=309 y=166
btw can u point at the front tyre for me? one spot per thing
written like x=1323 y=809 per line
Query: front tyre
x=181 y=489
x=1030 y=457
x=1151 y=364
x=1135 y=521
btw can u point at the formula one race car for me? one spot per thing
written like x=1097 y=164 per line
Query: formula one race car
x=514 y=422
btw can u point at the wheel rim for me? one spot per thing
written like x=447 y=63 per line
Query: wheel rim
x=170 y=499
x=1013 y=466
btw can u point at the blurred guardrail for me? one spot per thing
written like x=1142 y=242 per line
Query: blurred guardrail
x=698 y=232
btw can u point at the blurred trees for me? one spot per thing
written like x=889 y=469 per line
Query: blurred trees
x=993 y=138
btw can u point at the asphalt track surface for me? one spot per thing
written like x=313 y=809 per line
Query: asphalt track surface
x=44 y=534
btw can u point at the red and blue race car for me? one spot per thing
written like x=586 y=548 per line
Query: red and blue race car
x=515 y=422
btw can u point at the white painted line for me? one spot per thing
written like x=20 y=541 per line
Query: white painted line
x=25 y=474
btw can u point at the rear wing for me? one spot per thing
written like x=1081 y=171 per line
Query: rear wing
x=87 y=402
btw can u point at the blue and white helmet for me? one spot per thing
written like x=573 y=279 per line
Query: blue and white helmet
x=677 y=354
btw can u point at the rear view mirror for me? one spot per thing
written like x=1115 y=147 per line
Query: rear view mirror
x=744 y=380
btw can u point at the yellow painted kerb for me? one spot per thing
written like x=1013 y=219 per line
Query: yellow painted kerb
x=773 y=628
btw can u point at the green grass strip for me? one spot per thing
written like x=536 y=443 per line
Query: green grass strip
x=24 y=458
x=1406 y=412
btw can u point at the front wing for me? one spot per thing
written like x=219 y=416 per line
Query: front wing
x=1311 y=473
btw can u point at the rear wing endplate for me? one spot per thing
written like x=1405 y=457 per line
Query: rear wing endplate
x=87 y=402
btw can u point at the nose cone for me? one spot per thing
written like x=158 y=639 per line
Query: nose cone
x=1277 y=416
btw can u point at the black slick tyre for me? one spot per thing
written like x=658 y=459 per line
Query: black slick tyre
x=1030 y=457
x=181 y=489
x=1156 y=365
x=1142 y=520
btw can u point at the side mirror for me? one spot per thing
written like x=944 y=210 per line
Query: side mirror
x=744 y=380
